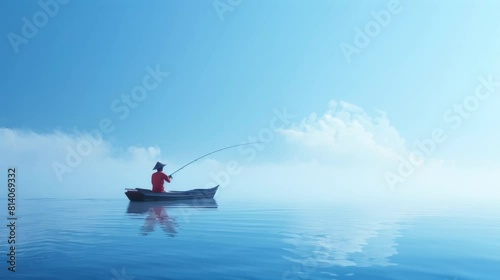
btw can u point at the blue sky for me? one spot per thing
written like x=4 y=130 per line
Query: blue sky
x=227 y=74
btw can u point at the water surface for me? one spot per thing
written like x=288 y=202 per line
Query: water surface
x=116 y=239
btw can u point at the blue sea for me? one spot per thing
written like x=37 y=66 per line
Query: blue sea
x=120 y=240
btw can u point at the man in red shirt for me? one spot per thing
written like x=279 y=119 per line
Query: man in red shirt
x=158 y=178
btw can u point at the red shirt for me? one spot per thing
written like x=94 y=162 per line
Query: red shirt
x=157 y=180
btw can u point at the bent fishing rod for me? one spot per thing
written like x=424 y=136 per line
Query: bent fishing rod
x=233 y=146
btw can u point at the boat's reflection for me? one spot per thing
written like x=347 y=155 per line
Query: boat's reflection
x=156 y=213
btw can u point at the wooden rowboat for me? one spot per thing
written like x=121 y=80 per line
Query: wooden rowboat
x=139 y=194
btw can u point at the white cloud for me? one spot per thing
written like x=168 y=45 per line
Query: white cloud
x=342 y=155
x=103 y=172
x=355 y=151
x=345 y=130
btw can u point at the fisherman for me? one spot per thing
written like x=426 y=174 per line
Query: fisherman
x=158 y=177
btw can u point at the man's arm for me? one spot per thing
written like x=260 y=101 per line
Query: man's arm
x=167 y=178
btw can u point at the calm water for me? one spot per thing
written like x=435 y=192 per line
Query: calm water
x=113 y=239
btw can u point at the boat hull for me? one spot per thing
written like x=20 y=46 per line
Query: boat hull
x=139 y=194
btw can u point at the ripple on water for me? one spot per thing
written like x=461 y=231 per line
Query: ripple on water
x=93 y=239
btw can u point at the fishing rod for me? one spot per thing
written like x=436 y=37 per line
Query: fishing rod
x=233 y=146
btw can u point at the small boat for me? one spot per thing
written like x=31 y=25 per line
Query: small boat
x=139 y=194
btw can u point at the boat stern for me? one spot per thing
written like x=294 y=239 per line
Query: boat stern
x=134 y=195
